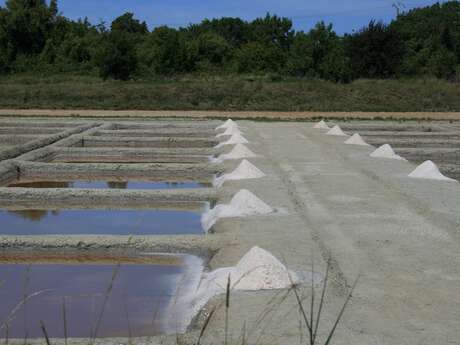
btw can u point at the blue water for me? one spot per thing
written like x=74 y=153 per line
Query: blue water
x=95 y=222
x=140 y=294
x=110 y=184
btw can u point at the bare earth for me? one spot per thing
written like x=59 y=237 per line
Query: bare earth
x=225 y=114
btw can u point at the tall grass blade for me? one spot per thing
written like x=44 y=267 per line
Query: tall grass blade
x=321 y=301
x=205 y=326
x=312 y=302
x=331 y=334
x=104 y=303
x=13 y=312
x=227 y=307
x=26 y=285
x=64 y=319
x=45 y=333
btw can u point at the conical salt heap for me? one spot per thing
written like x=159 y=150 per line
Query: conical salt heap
x=239 y=151
x=336 y=130
x=429 y=170
x=229 y=132
x=257 y=270
x=227 y=124
x=356 y=139
x=244 y=171
x=235 y=139
x=386 y=151
x=321 y=125
x=243 y=204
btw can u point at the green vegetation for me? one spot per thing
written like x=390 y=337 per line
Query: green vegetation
x=50 y=61
x=228 y=93
x=35 y=38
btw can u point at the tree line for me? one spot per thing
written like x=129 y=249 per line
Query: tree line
x=36 y=38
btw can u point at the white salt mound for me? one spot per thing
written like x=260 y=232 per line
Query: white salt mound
x=257 y=270
x=356 y=139
x=386 y=151
x=234 y=139
x=229 y=132
x=321 y=125
x=243 y=204
x=239 y=151
x=429 y=170
x=336 y=130
x=227 y=124
x=245 y=171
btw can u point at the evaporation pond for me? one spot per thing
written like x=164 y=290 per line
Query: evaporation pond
x=140 y=303
x=109 y=184
x=96 y=222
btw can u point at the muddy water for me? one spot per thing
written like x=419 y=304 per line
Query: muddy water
x=96 y=222
x=110 y=184
x=138 y=304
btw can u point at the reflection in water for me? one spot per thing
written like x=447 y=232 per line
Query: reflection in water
x=34 y=215
x=141 y=294
x=117 y=185
x=41 y=184
x=111 y=184
x=94 y=222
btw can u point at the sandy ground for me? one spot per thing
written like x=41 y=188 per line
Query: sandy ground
x=226 y=114
x=398 y=235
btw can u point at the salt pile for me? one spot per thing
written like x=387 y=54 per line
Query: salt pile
x=356 y=139
x=235 y=139
x=243 y=204
x=257 y=270
x=227 y=124
x=229 y=132
x=336 y=131
x=386 y=151
x=245 y=171
x=429 y=170
x=239 y=151
x=321 y=125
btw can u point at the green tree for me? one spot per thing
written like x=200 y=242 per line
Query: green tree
x=29 y=24
x=127 y=23
x=259 y=57
x=375 y=51
x=117 y=56
x=211 y=51
x=166 y=51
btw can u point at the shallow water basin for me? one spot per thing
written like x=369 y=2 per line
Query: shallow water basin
x=95 y=299
x=97 y=184
x=100 y=222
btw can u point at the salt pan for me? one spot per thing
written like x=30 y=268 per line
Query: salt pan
x=356 y=139
x=245 y=171
x=243 y=204
x=336 y=130
x=321 y=125
x=234 y=139
x=386 y=151
x=239 y=151
x=429 y=170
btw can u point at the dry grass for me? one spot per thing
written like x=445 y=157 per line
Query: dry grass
x=233 y=93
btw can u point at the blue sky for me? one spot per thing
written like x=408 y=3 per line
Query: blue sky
x=345 y=15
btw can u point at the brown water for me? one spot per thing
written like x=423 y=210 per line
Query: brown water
x=109 y=184
x=95 y=222
x=138 y=304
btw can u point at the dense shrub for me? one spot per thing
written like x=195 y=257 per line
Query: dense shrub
x=34 y=37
